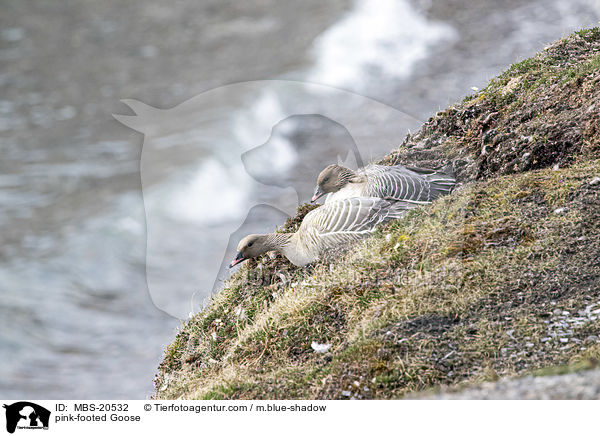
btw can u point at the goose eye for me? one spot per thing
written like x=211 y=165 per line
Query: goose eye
x=250 y=244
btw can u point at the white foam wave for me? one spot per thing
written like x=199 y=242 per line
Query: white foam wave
x=208 y=195
x=254 y=126
x=381 y=38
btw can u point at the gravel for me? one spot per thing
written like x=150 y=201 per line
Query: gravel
x=584 y=385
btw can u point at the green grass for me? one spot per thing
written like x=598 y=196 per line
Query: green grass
x=554 y=65
x=573 y=74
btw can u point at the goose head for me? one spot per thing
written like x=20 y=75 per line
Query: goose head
x=251 y=246
x=332 y=179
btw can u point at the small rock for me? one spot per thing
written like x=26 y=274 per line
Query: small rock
x=320 y=348
x=564 y=340
x=560 y=210
x=595 y=181
x=510 y=86
x=592 y=338
x=346 y=393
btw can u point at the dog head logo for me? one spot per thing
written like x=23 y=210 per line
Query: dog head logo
x=208 y=161
x=26 y=415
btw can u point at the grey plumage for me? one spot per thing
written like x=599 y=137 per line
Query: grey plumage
x=328 y=227
x=415 y=185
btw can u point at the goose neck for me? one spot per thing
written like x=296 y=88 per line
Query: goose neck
x=351 y=176
x=278 y=241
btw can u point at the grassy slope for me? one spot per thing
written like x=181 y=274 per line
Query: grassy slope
x=500 y=278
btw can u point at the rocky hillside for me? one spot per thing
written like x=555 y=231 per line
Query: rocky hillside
x=499 y=279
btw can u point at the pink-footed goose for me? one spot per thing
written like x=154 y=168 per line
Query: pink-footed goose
x=325 y=228
x=415 y=185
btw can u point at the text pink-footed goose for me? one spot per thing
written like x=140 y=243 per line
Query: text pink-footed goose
x=415 y=185
x=325 y=228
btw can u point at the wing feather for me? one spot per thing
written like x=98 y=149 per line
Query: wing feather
x=401 y=183
x=349 y=219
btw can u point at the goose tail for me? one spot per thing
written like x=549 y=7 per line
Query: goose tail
x=442 y=181
x=397 y=209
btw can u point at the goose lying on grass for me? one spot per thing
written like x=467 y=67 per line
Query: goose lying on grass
x=325 y=228
x=398 y=182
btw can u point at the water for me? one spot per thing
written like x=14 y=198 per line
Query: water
x=97 y=263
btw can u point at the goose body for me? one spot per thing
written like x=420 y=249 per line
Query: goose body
x=328 y=227
x=414 y=185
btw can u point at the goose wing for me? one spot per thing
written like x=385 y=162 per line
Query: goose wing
x=400 y=183
x=339 y=222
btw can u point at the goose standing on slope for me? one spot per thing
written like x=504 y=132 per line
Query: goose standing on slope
x=414 y=185
x=328 y=227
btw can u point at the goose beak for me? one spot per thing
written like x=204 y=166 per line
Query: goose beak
x=238 y=259
x=318 y=194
